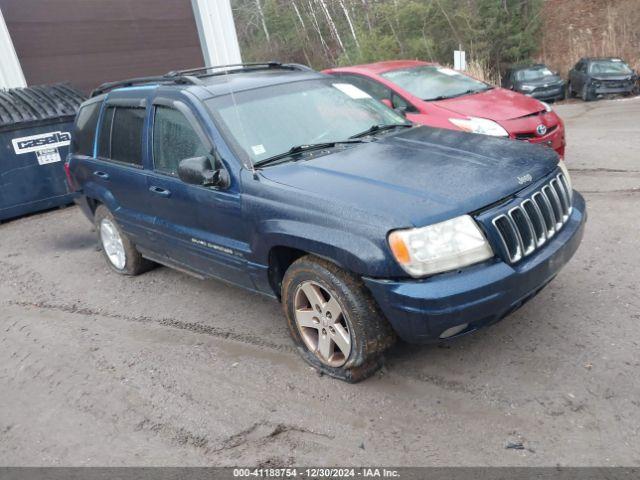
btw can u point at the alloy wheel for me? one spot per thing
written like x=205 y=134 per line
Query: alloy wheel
x=322 y=324
x=112 y=244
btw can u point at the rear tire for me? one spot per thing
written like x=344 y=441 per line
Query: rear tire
x=570 y=92
x=118 y=249
x=333 y=320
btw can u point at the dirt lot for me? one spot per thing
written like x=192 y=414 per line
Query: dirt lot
x=164 y=369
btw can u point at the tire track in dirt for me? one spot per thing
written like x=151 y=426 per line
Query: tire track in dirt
x=194 y=327
x=248 y=339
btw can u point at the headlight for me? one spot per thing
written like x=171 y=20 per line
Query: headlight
x=440 y=247
x=479 y=125
x=527 y=88
x=547 y=107
x=565 y=172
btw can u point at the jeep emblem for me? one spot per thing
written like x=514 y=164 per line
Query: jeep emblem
x=541 y=129
x=525 y=179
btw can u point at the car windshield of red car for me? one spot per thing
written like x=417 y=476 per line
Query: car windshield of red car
x=432 y=82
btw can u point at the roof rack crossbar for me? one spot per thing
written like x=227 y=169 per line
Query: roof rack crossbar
x=106 y=87
x=192 y=76
x=222 y=67
x=237 y=68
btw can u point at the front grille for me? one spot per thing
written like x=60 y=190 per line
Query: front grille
x=529 y=135
x=535 y=220
x=551 y=88
x=613 y=84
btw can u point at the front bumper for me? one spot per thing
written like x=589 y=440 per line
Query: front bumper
x=553 y=94
x=525 y=129
x=607 y=90
x=549 y=97
x=421 y=310
x=554 y=139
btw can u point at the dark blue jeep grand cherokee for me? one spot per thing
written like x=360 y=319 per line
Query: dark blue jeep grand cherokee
x=299 y=186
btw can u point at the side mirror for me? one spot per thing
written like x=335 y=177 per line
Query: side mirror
x=198 y=171
x=387 y=102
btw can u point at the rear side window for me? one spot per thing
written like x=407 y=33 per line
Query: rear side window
x=174 y=139
x=126 y=135
x=376 y=90
x=104 y=139
x=373 y=88
x=85 y=129
x=121 y=135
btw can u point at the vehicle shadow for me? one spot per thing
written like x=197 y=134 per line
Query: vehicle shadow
x=75 y=241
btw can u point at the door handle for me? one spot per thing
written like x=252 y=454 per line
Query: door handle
x=102 y=175
x=163 y=192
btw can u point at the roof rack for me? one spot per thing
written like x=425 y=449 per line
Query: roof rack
x=238 y=68
x=192 y=76
x=167 y=78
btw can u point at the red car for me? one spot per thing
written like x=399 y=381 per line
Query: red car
x=437 y=96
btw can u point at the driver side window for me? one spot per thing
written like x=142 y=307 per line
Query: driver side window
x=174 y=139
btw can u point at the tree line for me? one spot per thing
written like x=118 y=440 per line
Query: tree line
x=324 y=33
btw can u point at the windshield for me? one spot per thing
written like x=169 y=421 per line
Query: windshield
x=534 y=74
x=609 y=67
x=432 y=82
x=269 y=121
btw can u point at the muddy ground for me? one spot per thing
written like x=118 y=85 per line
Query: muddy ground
x=165 y=369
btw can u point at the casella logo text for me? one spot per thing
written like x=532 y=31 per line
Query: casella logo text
x=42 y=141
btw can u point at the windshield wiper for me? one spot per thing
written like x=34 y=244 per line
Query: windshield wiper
x=301 y=149
x=380 y=128
x=466 y=92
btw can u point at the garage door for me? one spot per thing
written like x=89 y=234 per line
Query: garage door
x=89 y=42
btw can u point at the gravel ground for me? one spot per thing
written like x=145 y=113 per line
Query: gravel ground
x=165 y=369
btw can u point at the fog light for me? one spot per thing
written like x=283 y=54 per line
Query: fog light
x=450 y=332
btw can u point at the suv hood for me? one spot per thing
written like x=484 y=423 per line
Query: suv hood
x=495 y=104
x=419 y=176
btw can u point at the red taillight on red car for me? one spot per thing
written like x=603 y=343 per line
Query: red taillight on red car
x=70 y=183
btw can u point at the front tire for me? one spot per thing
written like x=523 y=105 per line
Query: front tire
x=334 y=321
x=587 y=96
x=119 y=251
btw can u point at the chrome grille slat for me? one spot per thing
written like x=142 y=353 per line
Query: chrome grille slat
x=562 y=196
x=524 y=229
x=545 y=207
x=554 y=202
x=507 y=233
x=530 y=224
x=565 y=184
x=562 y=185
x=537 y=221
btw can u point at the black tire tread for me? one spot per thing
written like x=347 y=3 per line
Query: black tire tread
x=374 y=333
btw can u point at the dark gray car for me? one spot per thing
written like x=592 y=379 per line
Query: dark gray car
x=594 y=77
x=537 y=81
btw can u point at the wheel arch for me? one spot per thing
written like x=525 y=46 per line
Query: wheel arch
x=353 y=254
x=98 y=195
